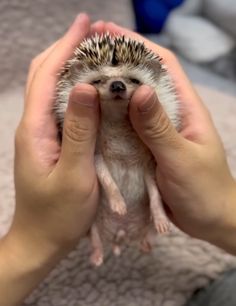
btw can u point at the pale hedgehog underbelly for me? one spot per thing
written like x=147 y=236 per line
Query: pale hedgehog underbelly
x=130 y=181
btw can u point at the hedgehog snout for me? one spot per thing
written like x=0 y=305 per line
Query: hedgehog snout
x=117 y=87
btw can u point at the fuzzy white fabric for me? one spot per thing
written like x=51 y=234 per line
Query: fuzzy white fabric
x=190 y=7
x=178 y=265
x=197 y=38
x=222 y=13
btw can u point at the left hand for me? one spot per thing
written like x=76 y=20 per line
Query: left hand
x=51 y=188
x=56 y=186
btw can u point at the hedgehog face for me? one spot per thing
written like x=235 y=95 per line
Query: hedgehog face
x=116 y=66
x=115 y=84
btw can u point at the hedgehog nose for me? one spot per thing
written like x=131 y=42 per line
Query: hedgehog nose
x=117 y=86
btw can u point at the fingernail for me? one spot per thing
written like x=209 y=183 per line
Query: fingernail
x=148 y=103
x=80 y=17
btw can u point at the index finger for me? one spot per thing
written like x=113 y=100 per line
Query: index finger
x=37 y=61
x=41 y=93
x=97 y=27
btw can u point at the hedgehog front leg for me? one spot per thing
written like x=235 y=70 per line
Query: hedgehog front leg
x=114 y=197
x=158 y=214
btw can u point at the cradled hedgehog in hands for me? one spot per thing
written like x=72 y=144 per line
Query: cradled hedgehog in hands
x=130 y=207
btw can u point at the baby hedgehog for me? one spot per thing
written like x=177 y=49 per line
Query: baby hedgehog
x=130 y=207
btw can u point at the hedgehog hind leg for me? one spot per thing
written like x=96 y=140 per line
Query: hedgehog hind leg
x=158 y=214
x=97 y=255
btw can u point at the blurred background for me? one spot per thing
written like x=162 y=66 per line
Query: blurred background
x=201 y=32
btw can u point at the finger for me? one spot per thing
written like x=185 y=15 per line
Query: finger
x=80 y=130
x=192 y=109
x=115 y=29
x=97 y=27
x=42 y=91
x=153 y=125
x=77 y=32
x=37 y=61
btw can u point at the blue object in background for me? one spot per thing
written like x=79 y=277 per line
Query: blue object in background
x=152 y=14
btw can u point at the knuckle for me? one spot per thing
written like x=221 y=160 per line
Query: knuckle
x=86 y=186
x=76 y=131
x=170 y=56
x=158 y=127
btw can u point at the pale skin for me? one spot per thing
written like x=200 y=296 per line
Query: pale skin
x=193 y=175
x=50 y=182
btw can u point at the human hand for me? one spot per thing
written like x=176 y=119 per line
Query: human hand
x=192 y=172
x=56 y=185
x=55 y=200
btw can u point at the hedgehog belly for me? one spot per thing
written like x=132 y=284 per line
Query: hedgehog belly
x=130 y=181
x=127 y=159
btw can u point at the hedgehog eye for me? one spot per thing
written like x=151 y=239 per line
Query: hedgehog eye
x=96 y=82
x=135 y=81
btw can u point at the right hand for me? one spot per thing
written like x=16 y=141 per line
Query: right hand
x=192 y=172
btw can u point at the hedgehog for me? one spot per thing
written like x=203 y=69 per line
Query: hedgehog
x=130 y=208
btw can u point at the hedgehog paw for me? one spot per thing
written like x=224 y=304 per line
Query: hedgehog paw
x=163 y=226
x=118 y=205
x=96 y=258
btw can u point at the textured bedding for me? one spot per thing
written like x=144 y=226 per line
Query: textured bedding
x=178 y=266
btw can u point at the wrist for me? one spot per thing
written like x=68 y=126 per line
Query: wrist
x=24 y=262
x=28 y=247
x=225 y=233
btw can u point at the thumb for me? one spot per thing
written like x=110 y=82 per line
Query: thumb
x=153 y=125
x=80 y=128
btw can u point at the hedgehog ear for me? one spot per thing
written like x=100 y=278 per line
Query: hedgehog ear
x=155 y=66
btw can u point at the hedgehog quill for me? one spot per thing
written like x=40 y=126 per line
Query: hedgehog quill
x=130 y=207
